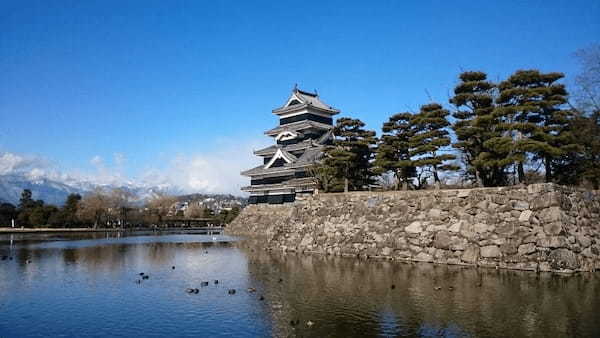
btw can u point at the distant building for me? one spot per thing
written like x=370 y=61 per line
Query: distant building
x=305 y=124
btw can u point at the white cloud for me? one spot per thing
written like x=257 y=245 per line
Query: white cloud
x=216 y=171
x=210 y=172
x=97 y=161
x=119 y=159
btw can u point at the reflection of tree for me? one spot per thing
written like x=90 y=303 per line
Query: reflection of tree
x=349 y=297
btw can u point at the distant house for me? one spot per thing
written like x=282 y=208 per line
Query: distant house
x=305 y=124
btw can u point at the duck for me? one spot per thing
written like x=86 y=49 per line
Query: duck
x=309 y=323
x=393 y=287
x=173 y=267
x=145 y=277
x=189 y=290
x=204 y=284
x=216 y=281
x=251 y=290
x=231 y=291
x=261 y=298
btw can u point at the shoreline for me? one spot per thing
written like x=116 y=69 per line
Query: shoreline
x=8 y=230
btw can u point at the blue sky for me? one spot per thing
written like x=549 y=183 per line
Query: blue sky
x=140 y=88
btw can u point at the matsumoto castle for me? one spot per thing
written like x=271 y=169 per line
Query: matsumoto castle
x=305 y=124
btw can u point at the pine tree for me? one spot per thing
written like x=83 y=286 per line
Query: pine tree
x=350 y=155
x=428 y=140
x=475 y=126
x=531 y=111
x=393 y=151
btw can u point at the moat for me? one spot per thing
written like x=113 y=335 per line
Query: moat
x=81 y=285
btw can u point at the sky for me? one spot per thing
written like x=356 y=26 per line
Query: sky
x=180 y=92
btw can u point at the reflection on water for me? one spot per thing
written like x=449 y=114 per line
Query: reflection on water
x=87 y=285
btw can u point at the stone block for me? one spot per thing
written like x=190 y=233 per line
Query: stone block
x=435 y=213
x=526 y=249
x=442 y=240
x=525 y=216
x=520 y=205
x=561 y=259
x=552 y=242
x=424 y=257
x=414 y=228
x=456 y=226
x=471 y=254
x=491 y=251
x=553 y=228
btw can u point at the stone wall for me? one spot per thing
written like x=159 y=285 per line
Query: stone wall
x=542 y=227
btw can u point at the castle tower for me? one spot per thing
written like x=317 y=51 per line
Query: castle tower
x=305 y=124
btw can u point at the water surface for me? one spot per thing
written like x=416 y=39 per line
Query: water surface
x=88 y=285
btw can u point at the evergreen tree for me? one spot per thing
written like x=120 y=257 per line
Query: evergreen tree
x=350 y=155
x=531 y=111
x=475 y=126
x=428 y=140
x=26 y=201
x=581 y=165
x=393 y=150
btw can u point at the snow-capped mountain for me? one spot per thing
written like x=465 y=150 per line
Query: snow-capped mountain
x=55 y=192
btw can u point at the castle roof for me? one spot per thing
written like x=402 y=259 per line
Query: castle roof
x=300 y=99
x=300 y=125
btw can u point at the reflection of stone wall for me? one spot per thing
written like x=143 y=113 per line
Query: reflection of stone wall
x=541 y=227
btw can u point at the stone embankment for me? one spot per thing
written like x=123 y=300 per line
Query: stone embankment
x=542 y=227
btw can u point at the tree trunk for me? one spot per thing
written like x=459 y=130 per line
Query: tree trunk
x=436 y=179
x=521 y=172
x=404 y=185
x=548 y=169
x=478 y=178
x=345 y=184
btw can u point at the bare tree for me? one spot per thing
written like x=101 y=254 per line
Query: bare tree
x=161 y=205
x=587 y=97
x=93 y=208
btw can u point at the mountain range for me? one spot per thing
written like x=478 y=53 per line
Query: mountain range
x=55 y=192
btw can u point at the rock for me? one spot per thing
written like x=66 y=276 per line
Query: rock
x=490 y=251
x=442 y=240
x=464 y=193
x=480 y=227
x=457 y=243
x=455 y=227
x=552 y=228
x=482 y=205
x=552 y=214
x=386 y=251
x=584 y=241
x=306 y=241
x=414 y=228
x=520 y=205
x=525 y=216
x=552 y=242
x=526 y=249
x=434 y=213
x=471 y=254
x=563 y=259
x=509 y=248
x=424 y=257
